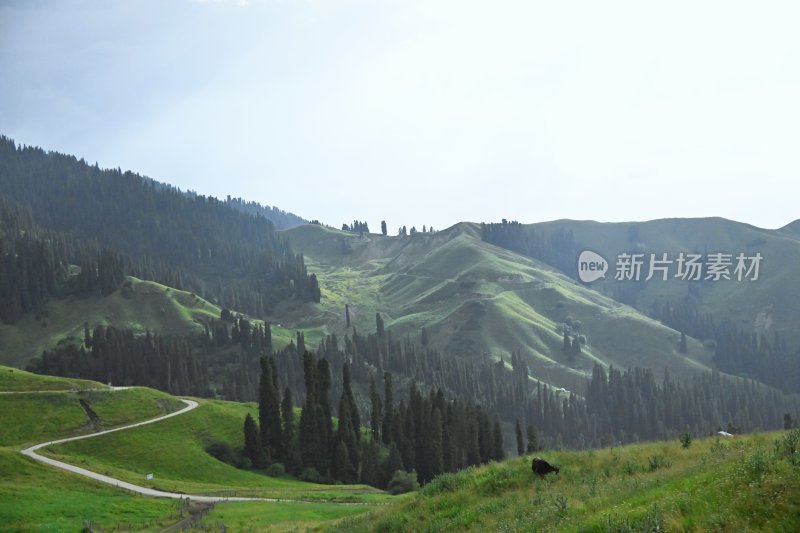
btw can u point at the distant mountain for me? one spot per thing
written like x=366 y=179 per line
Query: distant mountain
x=751 y=324
x=792 y=227
x=768 y=305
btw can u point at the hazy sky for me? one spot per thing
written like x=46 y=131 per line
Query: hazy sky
x=423 y=112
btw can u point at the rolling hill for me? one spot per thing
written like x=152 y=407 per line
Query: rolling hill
x=475 y=299
x=34 y=496
x=768 y=305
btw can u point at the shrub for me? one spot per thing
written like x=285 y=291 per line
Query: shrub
x=630 y=467
x=276 y=470
x=561 y=504
x=655 y=462
x=311 y=475
x=403 y=482
x=686 y=440
x=756 y=466
x=221 y=451
x=449 y=482
x=788 y=446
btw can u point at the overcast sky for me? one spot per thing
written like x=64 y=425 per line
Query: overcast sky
x=423 y=112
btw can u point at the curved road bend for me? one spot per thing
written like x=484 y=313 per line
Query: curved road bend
x=190 y=404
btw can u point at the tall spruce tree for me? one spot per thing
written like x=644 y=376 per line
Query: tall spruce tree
x=376 y=411
x=291 y=454
x=269 y=410
x=252 y=444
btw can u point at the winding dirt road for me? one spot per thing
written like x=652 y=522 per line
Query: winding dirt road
x=190 y=404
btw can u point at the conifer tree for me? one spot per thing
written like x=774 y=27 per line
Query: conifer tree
x=388 y=400
x=291 y=454
x=252 y=444
x=376 y=411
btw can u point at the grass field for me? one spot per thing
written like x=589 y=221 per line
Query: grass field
x=747 y=483
x=275 y=517
x=174 y=452
x=36 y=497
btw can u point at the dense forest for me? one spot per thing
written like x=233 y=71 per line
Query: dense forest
x=426 y=435
x=616 y=406
x=35 y=265
x=431 y=434
x=188 y=241
x=280 y=219
x=558 y=250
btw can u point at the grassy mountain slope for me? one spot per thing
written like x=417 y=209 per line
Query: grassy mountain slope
x=138 y=305
x=35 y=496
x=741 y=484
x=15 y=380
x=174 y=451
x=474 y=298
x=766 y=305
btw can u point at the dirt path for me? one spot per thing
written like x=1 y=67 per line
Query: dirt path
x=190 y=404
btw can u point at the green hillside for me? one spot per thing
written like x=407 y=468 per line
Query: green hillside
x=767 y=305
x=138 y=305
x=15 y=380
x=38 y=497
x=35 y=496
x=474 y=298
x=174 y=452
x=747 y=483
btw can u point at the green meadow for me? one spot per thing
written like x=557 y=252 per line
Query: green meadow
x=746 y=483
x=36 y=497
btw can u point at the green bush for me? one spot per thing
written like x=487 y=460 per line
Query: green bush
x=403 y=482
x=656 y=462
x=276 y=470
x=311 y=475
x=788 y=446
x=449 y=482
x=630 y=467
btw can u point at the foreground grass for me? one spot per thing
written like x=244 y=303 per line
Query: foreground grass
x=238 y=516
x=742 y=484
x=35 y=497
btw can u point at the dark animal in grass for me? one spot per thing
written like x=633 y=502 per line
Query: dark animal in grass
x=541 y=467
